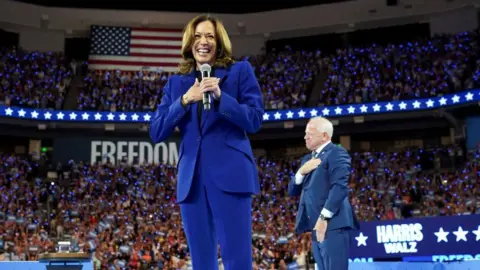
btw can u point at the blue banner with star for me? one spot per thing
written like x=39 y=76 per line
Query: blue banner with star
x=358 y=109
x=436 y=238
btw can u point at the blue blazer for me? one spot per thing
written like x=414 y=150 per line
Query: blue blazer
x=325 y=187
x=220 y=137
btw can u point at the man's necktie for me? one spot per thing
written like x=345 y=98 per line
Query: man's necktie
x=314 y=154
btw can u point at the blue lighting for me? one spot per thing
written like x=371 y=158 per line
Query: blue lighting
x=359 y=109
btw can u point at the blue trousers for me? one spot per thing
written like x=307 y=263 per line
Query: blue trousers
x=332 y=253
x=210 y=217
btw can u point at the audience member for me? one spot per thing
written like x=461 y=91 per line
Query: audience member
x=33 y=79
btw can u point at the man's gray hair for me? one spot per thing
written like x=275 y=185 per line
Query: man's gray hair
x=322 y=125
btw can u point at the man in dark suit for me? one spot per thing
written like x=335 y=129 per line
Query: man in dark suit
x=324 y=208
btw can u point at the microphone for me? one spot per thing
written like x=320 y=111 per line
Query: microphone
x=207 y=97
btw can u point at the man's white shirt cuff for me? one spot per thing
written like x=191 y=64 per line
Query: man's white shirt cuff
x=298 y=178
x=326 y=213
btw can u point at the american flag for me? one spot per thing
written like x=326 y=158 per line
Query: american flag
x=134 y=49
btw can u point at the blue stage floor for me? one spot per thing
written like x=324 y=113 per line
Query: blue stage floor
x=467 y=265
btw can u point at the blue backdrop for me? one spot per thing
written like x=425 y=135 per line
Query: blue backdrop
x=35 y=265
x=429 y=239
x=353 y=266
x=473 y=131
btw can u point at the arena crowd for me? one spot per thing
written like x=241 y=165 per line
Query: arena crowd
x=126 y=214
x=34 y=79
x=430 y=67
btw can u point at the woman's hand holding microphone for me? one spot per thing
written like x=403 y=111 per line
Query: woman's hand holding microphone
x=195 y=93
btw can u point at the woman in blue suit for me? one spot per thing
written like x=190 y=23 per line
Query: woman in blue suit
x=217 y=174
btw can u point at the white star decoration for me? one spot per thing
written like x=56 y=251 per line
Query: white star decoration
x=364 y=108
x=338 y=110
x=455 y=99
x=361 y=240
x=416 y=104
x=477 y=233
x=441 y=235
x=442 y=101
x=268 y=115
x=88 y=116
x=460 y=234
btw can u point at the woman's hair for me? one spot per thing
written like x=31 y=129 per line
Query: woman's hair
x=223 y=56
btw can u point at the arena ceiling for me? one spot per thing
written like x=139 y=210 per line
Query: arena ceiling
x=231 y=7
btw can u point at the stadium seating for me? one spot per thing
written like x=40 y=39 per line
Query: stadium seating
x=127 y=214
x=424 y=68
x=285 y=78
x=33 y=79
x=121 y=91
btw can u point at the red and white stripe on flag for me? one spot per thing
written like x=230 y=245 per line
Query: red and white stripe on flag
x=134 y=49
